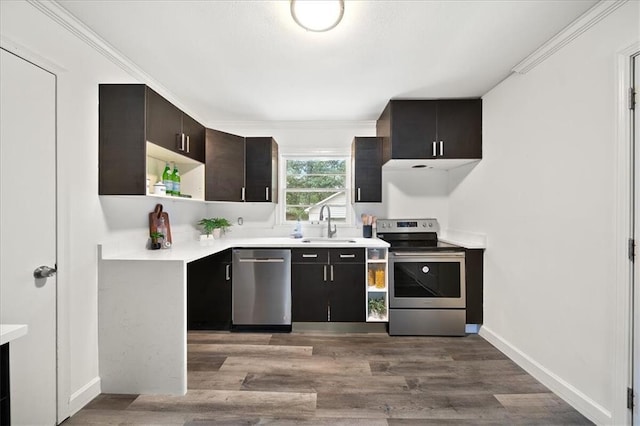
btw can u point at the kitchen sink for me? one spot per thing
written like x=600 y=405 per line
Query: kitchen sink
x=327 y=240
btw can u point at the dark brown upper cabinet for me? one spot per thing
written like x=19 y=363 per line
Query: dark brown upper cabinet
x=366 y=176
x=170 y=128
x=240 y=169
x=431 y=129
x=224 y=166
x=130 y=115
x=261 y=169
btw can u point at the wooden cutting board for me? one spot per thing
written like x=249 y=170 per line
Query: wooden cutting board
x=154 y=221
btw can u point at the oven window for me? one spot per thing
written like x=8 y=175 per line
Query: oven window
x=426 y=279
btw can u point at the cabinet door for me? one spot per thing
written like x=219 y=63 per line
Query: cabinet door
x=122 y=147
x=309 y=292
x=413 y=129
x=260 y=166
x=460 y=128
x=474 y=285
x=209 y=293
x=224 y=166
x=194 y=146
x=347 y=292
x=366 y=155
x=164 y=122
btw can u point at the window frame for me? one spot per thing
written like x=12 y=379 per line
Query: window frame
x=282 y=185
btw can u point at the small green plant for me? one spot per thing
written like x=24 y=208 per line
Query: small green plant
x=377 y=307
x=155 y=236
x=208 y=225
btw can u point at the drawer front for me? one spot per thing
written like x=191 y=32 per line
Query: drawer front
x=310 y=255
x=346 y=255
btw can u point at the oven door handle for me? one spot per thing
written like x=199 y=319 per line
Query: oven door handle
x=427 y=254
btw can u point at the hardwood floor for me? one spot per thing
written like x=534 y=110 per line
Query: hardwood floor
x=341 y=379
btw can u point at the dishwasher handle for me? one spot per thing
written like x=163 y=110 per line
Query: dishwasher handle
x=261 y=260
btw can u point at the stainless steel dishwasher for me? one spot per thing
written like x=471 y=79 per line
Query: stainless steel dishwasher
x=261 y=290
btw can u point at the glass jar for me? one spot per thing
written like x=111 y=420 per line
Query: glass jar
x=379 y=278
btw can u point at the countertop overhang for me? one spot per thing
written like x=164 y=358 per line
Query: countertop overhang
x=9 y=332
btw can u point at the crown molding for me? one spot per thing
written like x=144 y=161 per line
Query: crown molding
x=588 y=19
x=297 y=124
x=65 y=19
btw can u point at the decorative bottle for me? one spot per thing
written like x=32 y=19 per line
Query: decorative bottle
x=175 y=177
x=167 y=180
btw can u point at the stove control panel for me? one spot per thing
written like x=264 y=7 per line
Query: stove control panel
x=408 y=225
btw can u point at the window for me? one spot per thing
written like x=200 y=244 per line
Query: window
x=312 y=182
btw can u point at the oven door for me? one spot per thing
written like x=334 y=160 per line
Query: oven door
x=426 y=280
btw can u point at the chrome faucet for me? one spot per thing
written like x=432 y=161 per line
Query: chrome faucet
x=330 y=232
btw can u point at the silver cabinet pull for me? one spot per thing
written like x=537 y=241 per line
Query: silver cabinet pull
x=187 y=143
x=310 y=255
x=44 y=272
x=266 y=194
x=324 y=268
x=440 y=148
x=358 y=194
x=227 y=272
x=331 y=272
x=243 y=193
x=261 y=260
x=347 y=256
x=181 y=141
x=434 y=148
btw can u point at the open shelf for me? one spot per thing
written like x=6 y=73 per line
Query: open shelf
x=377 y=287
x=191 y=172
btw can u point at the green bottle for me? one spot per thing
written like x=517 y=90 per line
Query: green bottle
x=167 y=179
x=175 y=177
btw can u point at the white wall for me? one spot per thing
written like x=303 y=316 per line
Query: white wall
x=544 y=194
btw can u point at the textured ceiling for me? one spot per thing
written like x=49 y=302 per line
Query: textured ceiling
x=249 y=61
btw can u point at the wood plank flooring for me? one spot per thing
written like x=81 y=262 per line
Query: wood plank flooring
x=316 y=378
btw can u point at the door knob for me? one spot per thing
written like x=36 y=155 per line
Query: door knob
x=44 y=272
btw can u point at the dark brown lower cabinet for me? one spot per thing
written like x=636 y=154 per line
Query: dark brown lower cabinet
x=5 y=403
x=309 y=295
x=347 y=293
x=323 y=291
x=209 y=293
x=474 y=279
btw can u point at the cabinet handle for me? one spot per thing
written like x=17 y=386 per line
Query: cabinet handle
x=310 y=255
x=347 y=256
x=187 y=144
x=267 y=193
x=331 y=273
x=440 y=148
x=358 y=194
x=434 y=148
x=181 y=141
x=324 y=268
x=242 y=193
x=227 y=271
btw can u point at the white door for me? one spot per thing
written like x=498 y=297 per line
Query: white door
x=635 y=282
x=28 y=234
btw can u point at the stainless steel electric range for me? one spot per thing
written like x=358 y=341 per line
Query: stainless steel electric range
x=426 y=279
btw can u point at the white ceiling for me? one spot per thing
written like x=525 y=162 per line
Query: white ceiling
x=249 y=61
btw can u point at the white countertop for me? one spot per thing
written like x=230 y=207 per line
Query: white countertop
x=9 y=332
x=194 y=250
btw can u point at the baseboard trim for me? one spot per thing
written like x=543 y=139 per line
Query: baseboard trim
x=84 y=395
x=589 y=408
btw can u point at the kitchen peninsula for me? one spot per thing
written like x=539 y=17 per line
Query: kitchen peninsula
x=142 y=310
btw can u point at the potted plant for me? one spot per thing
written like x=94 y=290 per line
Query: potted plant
x=156 y=240
x=377 y=308
x=213 y=227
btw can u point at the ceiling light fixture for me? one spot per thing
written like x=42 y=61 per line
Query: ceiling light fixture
x=317 y=15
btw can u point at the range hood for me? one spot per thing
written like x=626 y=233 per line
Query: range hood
x=422 y=164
